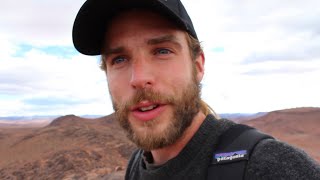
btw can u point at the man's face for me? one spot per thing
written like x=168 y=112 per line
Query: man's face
x=153 y=83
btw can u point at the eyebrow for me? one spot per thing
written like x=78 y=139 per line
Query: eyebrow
x=164 y=39
x=153 y=41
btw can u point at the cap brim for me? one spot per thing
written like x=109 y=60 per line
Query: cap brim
x=91 y=21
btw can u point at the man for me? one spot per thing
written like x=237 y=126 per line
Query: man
x=154 y=65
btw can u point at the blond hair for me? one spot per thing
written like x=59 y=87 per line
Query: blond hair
x=196 y=50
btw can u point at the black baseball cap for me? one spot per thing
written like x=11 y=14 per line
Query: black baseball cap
x=90 y=25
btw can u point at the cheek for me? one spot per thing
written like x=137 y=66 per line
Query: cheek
x=180 y=75
x=176 y=82
x=114 y=89
x=119 y=88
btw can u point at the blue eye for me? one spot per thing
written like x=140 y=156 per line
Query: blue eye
x=163 y=51
x=118 y=60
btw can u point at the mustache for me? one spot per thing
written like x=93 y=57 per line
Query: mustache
x=146 y=95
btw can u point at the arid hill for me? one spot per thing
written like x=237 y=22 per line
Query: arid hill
x=299 y=127
x=69 y=148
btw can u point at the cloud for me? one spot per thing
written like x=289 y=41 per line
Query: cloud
x=41 y=23
x=258 y=31
x=260 y=56
x=301 y=47
x=271 y=56
x=39 y=81
x=285 y=71
x=51 y=101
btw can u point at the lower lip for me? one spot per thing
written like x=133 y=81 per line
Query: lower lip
x=148 y=115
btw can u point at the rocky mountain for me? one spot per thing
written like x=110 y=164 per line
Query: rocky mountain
x=241 y=117
x=70 y=147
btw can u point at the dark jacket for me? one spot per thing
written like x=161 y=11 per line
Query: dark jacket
x=271 y=159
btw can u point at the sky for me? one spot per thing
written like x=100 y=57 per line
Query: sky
x=261 y=55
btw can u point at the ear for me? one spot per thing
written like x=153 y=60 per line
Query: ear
x=200 y=66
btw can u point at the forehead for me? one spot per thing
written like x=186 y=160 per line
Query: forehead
x=138 y=21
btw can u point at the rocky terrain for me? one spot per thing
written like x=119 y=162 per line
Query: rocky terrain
x=71 y=147
x=299 y=127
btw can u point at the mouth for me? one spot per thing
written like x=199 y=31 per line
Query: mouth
x=146 y=110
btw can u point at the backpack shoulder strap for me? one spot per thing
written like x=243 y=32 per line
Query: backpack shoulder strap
x=230 y=157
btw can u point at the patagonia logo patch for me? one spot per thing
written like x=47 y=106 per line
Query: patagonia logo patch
x=225 y=157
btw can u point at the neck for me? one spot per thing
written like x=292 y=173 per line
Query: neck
x=160 y=156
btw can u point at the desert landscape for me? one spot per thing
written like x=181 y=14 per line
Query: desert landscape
x=71 y=147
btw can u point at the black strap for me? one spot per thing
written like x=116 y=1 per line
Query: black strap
x=230 y=158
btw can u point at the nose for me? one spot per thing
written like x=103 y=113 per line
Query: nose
x=142 y=75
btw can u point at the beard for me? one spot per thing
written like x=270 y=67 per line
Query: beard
x=186 y=105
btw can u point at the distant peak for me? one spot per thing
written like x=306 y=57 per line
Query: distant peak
x=65 y=120
x=297 y=110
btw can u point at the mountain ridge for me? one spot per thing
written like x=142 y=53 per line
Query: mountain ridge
x=73 y=147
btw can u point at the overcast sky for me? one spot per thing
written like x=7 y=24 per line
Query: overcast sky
x=261 y=55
